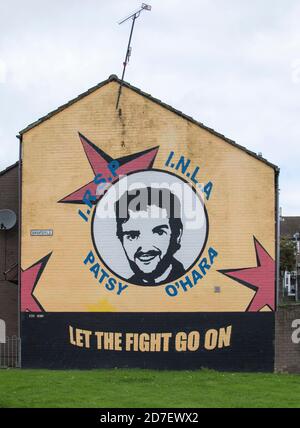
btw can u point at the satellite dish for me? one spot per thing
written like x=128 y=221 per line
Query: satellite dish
x=8 y=219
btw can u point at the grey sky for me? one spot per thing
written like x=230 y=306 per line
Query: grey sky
x=232 y=64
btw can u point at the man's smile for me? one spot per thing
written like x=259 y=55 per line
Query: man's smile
x=146 y=258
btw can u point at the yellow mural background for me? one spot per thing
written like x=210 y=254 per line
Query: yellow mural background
x=242 y=203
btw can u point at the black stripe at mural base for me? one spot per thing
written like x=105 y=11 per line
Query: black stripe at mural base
x=220 y=341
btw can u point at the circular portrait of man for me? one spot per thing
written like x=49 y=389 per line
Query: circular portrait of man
x=149 y=228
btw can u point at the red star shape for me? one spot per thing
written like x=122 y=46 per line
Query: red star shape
x=99 y=161
x=29 y=280
x=260 y=279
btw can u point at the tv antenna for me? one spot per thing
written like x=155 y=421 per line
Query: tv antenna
x=133 y=16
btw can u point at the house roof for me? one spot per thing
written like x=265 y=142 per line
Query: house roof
x=114 y=78
x=9 y=168
x=289 y=226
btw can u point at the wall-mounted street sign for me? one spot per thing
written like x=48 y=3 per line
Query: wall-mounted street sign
x=41 y=232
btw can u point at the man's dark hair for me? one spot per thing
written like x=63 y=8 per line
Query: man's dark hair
x=139 y=199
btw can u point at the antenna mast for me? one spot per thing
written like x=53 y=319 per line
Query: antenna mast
x=133 y=16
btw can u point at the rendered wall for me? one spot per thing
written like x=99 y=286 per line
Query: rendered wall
x=216 y=309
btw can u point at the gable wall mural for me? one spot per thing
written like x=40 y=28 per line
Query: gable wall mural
x=147 y=241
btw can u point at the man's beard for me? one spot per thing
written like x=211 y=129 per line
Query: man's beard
x=161 y=266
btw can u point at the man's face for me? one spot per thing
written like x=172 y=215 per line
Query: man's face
x=146 y=239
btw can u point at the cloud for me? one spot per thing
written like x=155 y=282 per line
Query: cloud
x=295 y=66
x=232 y=65
x=3 y=71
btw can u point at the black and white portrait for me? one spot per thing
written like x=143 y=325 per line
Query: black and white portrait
x=149 y=228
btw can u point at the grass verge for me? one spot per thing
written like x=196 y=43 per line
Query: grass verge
x=136 y=388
